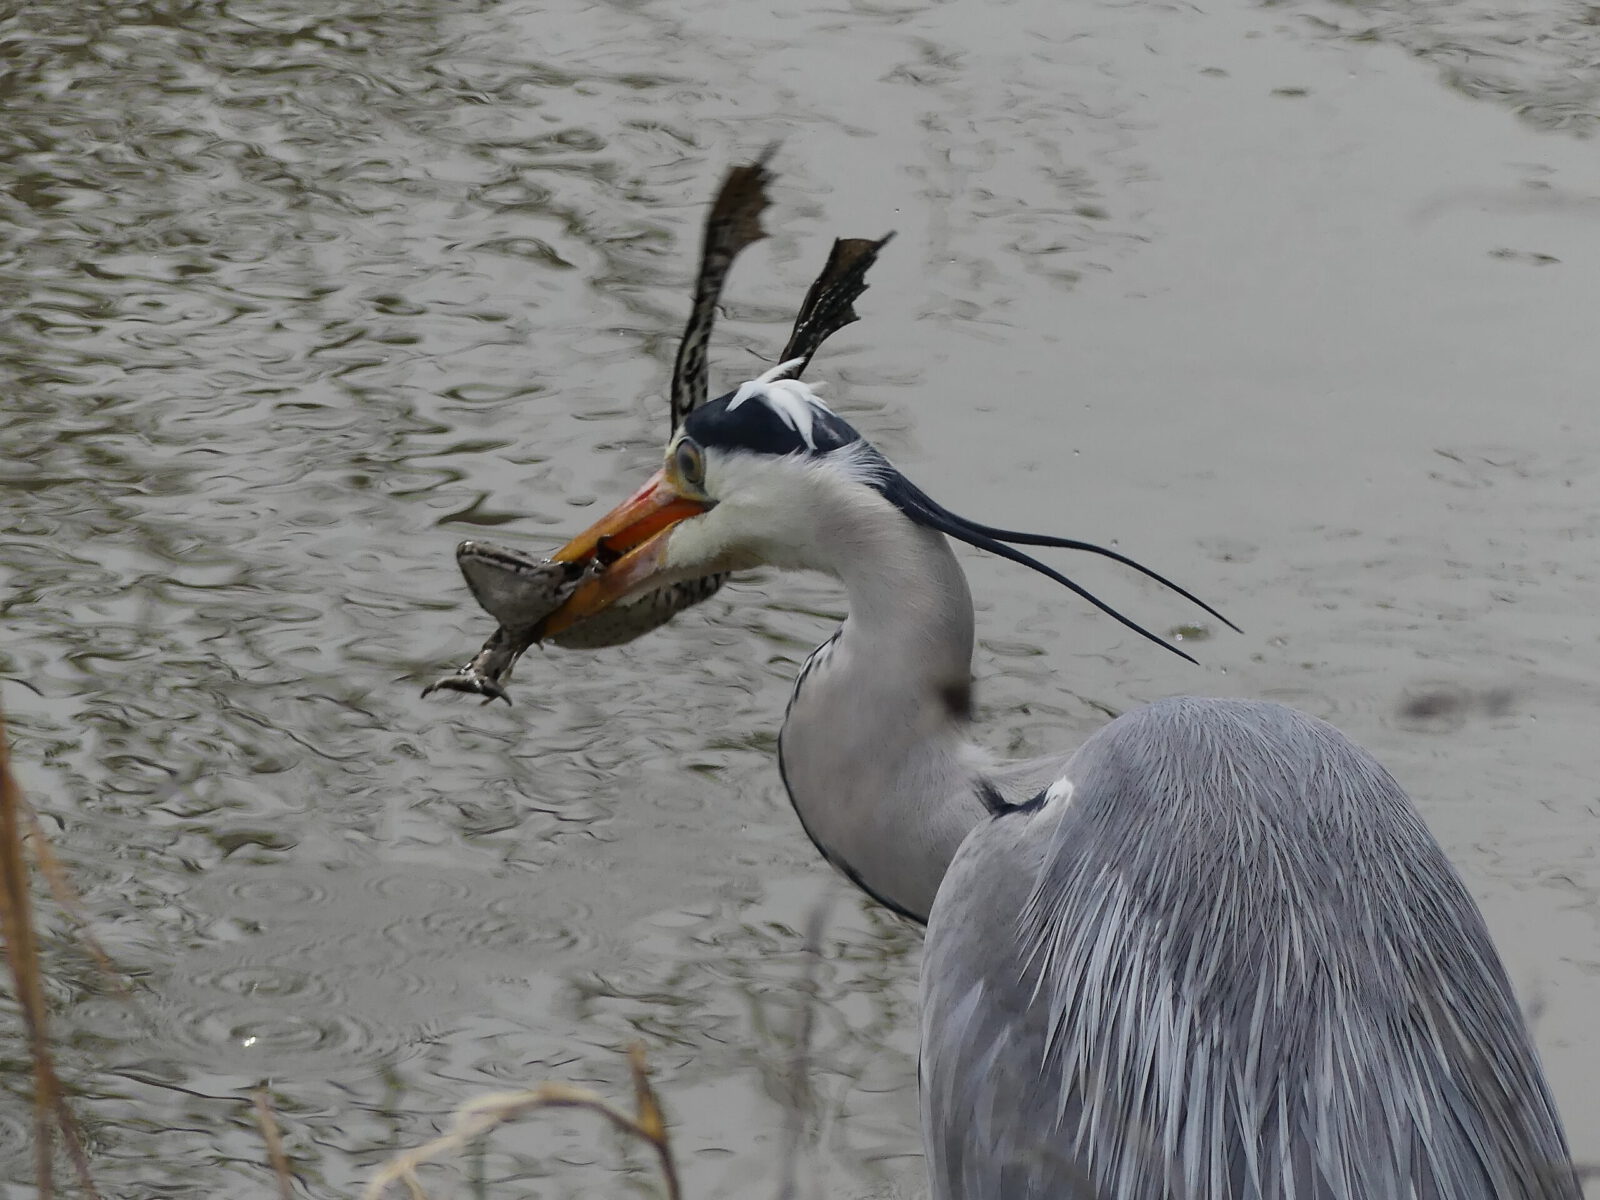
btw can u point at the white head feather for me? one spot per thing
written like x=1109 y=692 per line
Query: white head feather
x=794 y=402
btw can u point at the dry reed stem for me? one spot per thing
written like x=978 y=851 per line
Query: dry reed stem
x=478 y=1117
x=50 y=1111
x=267 y=1123
x=44 y=857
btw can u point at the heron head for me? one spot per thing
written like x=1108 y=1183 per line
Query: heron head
x=737 y=489
x=768 y=475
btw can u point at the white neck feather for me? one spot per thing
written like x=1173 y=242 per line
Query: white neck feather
x=874 y=749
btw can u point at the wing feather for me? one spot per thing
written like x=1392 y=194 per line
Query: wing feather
x=1234 y=965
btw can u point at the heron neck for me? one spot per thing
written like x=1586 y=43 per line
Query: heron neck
x=874 y=750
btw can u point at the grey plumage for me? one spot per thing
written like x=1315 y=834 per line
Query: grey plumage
x=1232 y=963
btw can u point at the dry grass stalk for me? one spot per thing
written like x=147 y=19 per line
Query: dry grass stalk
x=55 y=875
x=50 y=1111
x=261 y=1102
x=478 y=1117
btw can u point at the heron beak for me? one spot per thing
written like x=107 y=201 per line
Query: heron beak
x=629 y=543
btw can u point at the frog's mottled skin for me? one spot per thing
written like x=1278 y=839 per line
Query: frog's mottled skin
x=634 y=618
x=520 y=591
x=482 y=676
x=514 y=588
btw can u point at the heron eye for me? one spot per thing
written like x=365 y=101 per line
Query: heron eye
x=690 y=463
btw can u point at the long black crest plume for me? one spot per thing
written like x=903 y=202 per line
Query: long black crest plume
x=830 y=304
x=733 y=223
x=923 y=509
x=1044 y=539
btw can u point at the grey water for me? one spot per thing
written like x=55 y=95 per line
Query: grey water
x=1293 y=301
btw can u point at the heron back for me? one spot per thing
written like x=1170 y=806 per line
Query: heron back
x=1227 y=959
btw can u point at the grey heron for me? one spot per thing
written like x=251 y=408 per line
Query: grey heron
x=1212 y=952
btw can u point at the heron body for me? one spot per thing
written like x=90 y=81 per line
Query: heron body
x=1223 y=958
x=1214 y=953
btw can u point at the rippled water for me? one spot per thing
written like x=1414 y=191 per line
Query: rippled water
x=297 y=295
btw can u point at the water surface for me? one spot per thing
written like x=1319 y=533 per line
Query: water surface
x=1293 y=301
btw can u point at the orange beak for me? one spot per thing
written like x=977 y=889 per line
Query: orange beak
x=630 y=544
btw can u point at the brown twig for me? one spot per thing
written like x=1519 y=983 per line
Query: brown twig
x=50 y=1111
x=261 y=1102
x=651 y=1121
x=478 y=1117
x=60 y=883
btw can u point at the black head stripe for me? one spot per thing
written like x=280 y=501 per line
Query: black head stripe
x=758 y=425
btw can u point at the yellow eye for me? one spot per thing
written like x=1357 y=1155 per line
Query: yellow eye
x=689 y=463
